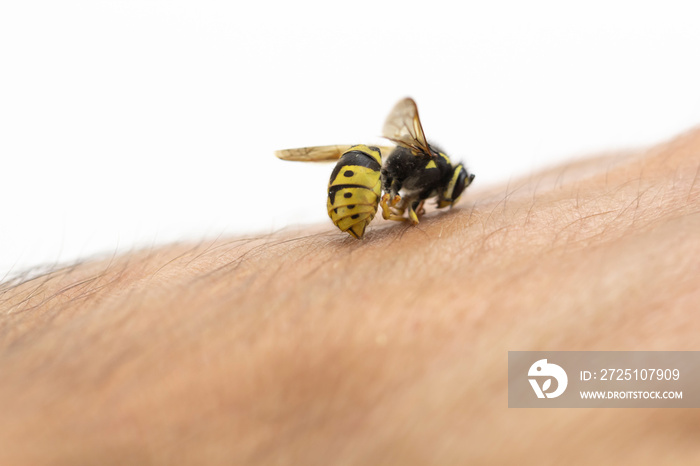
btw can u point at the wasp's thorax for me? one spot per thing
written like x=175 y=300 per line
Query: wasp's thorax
x=419 y=176
x=416 y=176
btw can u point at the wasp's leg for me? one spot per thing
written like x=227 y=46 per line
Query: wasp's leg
x=412 y=213
x=392 y=188
x=391 y=201
x=385 y=206
x=387 y=211
x=420 y=210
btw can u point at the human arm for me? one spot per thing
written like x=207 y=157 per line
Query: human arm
x=311 y=347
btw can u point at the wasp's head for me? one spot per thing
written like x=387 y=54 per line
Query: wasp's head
x=459 y=180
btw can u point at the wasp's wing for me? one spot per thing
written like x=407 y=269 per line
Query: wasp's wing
x=319 y=153
x=313 y=154
x=403 y=127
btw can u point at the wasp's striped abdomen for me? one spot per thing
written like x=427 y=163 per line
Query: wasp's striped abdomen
x=354 y=189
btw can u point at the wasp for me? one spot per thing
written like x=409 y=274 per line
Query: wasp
x=412 y=172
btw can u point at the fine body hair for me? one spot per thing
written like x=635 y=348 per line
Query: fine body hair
x=308 y=346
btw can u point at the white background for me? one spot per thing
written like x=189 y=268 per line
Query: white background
x=130 y=123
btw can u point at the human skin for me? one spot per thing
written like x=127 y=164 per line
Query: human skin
x=311 y=347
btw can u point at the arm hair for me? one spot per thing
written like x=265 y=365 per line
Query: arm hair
x=310 y=347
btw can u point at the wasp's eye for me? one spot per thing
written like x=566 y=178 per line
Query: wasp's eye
x=457 y=183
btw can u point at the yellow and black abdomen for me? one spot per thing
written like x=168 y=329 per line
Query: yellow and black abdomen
x=354 y=189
